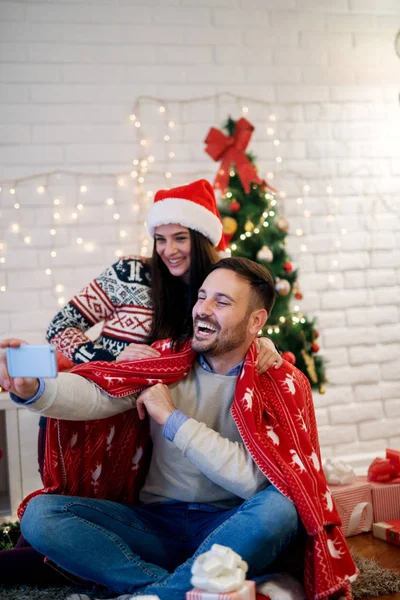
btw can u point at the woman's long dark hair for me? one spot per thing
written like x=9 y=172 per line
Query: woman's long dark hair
x=173 y=300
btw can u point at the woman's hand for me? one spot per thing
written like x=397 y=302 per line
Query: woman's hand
x=23 y=387
x=268 y=355
x=137 y=352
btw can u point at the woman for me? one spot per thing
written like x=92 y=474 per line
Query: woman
x=141 y=301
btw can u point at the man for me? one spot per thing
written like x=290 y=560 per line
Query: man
x=221 y=436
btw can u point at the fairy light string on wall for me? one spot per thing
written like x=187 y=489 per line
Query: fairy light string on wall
x=159 y=129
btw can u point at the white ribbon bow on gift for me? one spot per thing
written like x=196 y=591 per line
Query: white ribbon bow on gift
x=337 y=472
x=219 y=570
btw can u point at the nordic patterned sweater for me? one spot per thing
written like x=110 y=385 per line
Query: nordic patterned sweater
x=121 y=298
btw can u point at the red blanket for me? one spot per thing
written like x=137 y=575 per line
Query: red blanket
x=274 y=413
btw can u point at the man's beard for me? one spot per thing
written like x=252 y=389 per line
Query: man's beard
x=220 y=345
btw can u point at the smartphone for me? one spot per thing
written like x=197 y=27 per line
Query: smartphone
x=32 y=361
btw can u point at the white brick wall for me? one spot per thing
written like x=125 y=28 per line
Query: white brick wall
x=70 y=72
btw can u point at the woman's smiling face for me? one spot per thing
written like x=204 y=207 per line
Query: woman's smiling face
x=173 y=247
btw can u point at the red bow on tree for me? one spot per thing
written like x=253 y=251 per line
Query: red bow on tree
x=230 y=149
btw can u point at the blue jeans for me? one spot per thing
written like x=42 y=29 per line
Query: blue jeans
x=149 y=549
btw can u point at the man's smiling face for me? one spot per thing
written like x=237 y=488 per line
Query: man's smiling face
x=221 y=314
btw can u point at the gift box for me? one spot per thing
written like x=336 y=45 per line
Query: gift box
x=354 y=505
x=247 y=592
x=386 y=501
x=388 y=531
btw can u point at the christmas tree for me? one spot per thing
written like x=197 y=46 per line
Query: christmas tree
x=254 y=229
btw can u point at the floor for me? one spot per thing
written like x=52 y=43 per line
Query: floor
x=386 y=554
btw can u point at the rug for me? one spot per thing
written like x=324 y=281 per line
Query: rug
x=374 y=581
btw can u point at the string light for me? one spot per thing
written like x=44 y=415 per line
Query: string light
x=171 y=124
x=16 y=206
x=53 y=232
x=299 y=200
x=132 y=117
x=138 y=124
x=270 y=131
x=79 y=206
x=168 y=175
x=2 y=259
x=61 y=301
x=116 y=216
x=83 y=189
x=166 y=138
x=27 y=239
x=56 y=201
x=299 y=232
x=3 y=288
x=245 y=109
x=40 y=189
x=278 y=159
x=53 y=254
x=59 y=288
x=306 y=188
x=276 y=142
x=74 y=215
x=122 y=233
x=48 y=271
x=171 y=154
x=79 y=241
x=162 y=109
x=15 y=228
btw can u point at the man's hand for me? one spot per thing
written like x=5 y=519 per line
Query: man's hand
x=158 y=403
x=25 y=387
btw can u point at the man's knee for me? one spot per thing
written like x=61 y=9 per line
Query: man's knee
x=36 y=522
x=275 y=515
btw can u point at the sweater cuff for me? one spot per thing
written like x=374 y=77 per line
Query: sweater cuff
x=173 y=423
x=39 y=394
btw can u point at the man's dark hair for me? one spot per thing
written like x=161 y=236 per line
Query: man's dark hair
x=262 y=285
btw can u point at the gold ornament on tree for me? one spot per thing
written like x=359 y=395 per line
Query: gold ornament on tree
x=229 y=225
x=249 y=225
x=265 y=253
x=310 y=366
x=282 y=223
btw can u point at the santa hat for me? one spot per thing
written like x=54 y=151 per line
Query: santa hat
x=193 y=206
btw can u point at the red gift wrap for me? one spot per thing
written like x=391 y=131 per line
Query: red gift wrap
x=388 y=531
x=386 y=501
x=384 y=475
x=354 y=504
x=247 y=592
